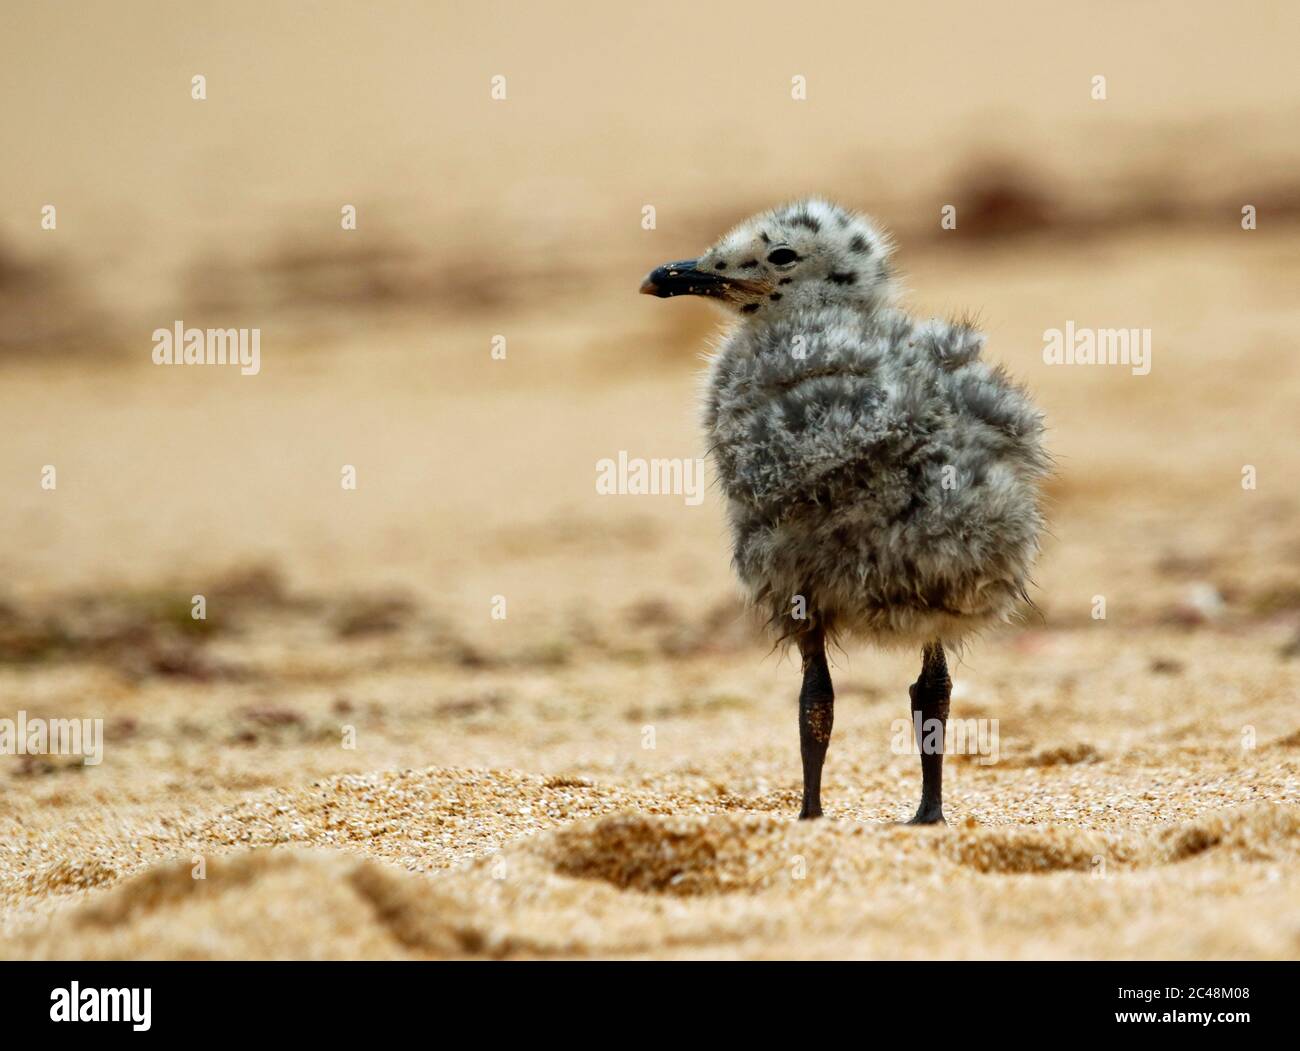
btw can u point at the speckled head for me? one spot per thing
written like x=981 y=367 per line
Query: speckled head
x=806 y=254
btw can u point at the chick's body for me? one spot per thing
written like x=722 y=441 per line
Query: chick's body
x=876 y=469
x=880 y=477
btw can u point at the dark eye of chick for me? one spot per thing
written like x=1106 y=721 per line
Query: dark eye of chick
x=781 y=256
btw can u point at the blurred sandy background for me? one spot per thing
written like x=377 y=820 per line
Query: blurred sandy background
x=499 y=799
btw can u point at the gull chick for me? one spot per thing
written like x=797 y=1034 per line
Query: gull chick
x=882 y=480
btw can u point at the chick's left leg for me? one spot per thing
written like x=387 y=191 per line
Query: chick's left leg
x=816 y=717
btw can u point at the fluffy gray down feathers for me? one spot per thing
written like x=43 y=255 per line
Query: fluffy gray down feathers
x=878 y=469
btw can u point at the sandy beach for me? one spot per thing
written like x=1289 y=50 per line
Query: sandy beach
x=350 y=756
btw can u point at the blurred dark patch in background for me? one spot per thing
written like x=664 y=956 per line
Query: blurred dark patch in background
x=47 y=309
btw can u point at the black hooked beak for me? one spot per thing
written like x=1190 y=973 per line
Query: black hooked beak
x=685 y=279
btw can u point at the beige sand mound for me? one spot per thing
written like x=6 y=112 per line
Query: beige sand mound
x=258 y=905
x=709 y=883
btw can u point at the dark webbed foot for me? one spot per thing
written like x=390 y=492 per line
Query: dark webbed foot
x=928 y=815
